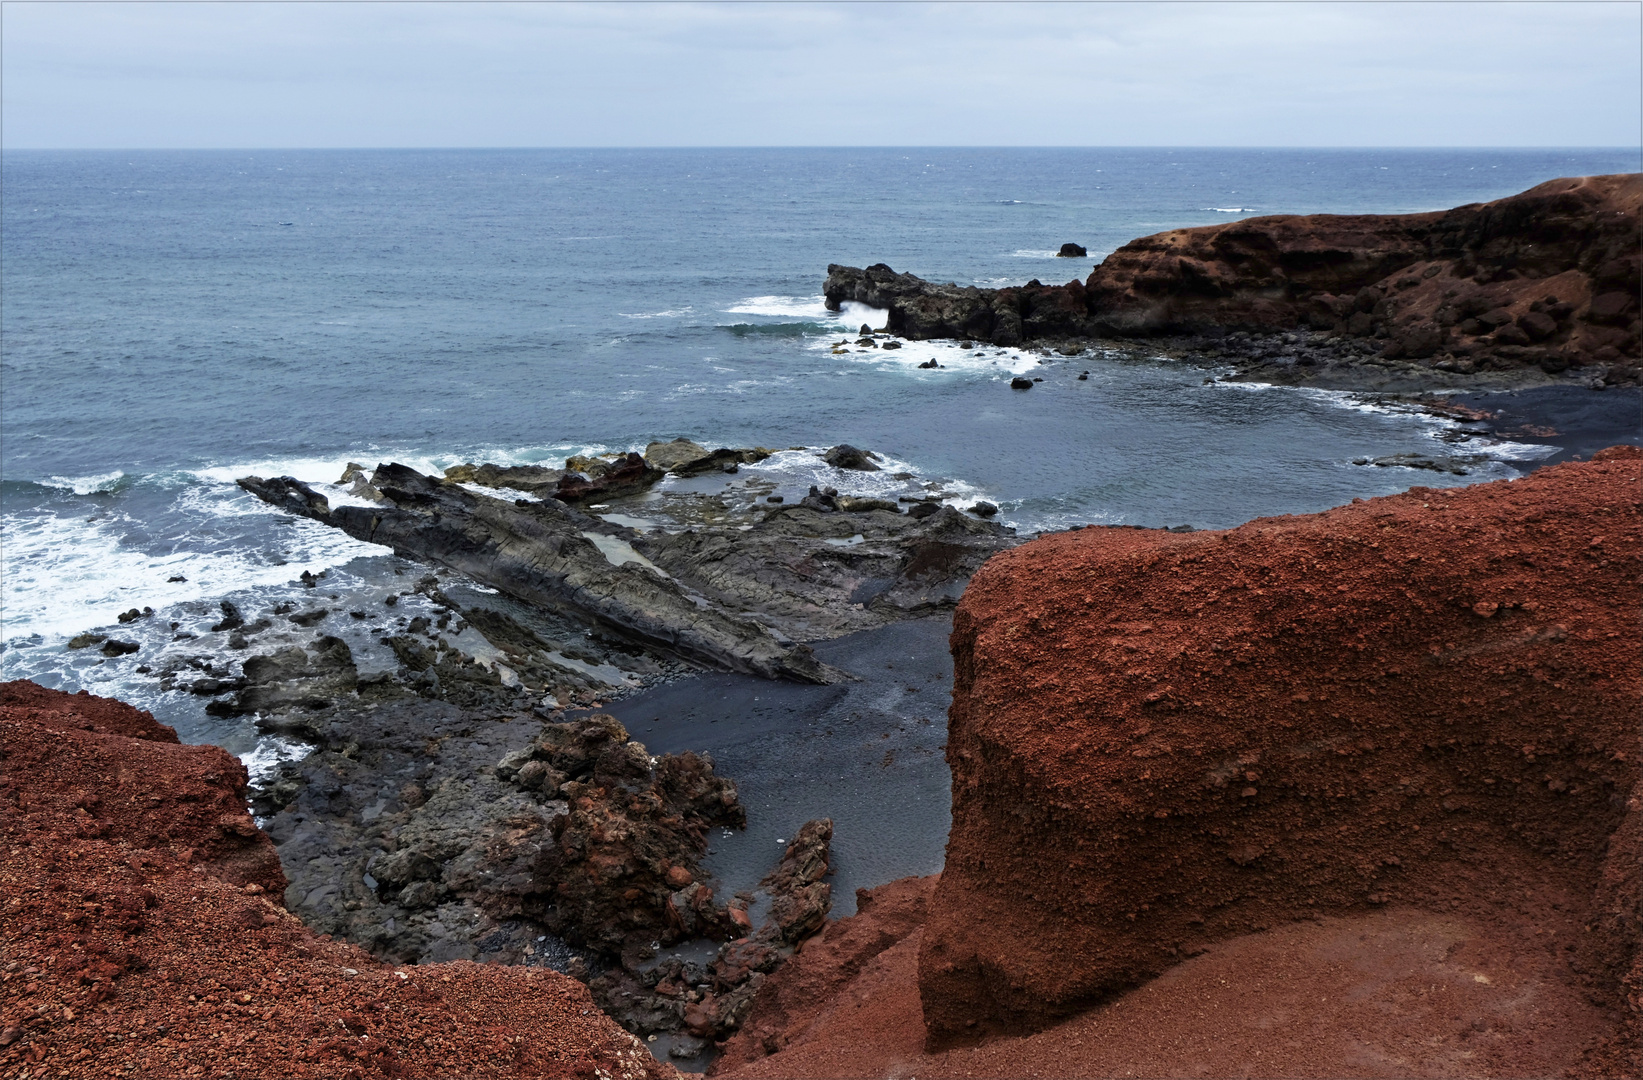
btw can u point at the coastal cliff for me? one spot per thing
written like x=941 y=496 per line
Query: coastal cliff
x=143 y=933
x=1546 y=279
x=1163 y=741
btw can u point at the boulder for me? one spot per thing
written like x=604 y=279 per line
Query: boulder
x=590 y=479
x=1161 y=741
x=1071 y=251
x=845 y=456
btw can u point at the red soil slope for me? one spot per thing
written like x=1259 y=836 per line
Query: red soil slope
x=1162 y=741
x=1393 y=993
x=142 y=935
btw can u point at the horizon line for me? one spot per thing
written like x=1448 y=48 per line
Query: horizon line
x=1638 y=149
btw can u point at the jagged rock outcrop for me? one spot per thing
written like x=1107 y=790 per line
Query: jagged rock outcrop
x=622 y=867
x=143 y=935
x=539 y=552
x=1547 y=278
x=682 y=457
x=1160 y=741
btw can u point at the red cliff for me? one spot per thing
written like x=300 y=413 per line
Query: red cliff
x=1163 y=741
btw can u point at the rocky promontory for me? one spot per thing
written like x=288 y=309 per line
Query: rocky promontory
x=1547 y=279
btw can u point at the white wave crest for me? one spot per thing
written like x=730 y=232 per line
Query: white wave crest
x=87 y=485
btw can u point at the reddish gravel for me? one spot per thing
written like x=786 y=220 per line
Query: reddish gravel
x=1393 y=993
x=142 y=938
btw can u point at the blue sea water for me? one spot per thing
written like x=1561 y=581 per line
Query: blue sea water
x=172 y=320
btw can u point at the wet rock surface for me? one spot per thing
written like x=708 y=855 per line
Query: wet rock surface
x=538 y=553
x=742 y=595
x=1538 y=285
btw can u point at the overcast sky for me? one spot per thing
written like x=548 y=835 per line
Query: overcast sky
x=134 y=75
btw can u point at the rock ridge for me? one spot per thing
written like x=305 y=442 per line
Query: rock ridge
x=1547 y=279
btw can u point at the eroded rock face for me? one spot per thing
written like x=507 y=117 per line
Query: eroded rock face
x=1547 y=278
x=1159 y=741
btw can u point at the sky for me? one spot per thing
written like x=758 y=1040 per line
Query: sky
x=250 y=75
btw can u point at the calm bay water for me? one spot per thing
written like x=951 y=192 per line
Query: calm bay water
x=174 y=320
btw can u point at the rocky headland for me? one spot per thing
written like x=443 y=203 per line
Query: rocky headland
x=1193 y=773
x=1543 y=283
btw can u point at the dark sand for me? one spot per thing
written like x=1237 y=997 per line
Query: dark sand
x=868 y=754
x=1582 y=421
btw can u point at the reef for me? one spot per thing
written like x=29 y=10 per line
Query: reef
x=1545 y=281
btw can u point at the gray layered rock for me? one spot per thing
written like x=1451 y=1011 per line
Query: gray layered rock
x=536 y=552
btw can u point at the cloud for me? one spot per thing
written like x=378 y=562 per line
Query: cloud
x=268 y=75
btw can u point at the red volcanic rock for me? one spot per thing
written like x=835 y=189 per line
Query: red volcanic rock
x=1546 y=278
x=795 y=1003
x=142 y=934
x=1556 y=265
x=1161 y=741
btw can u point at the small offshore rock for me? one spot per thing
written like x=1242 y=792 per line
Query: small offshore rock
x=1021 y=383
x=231 y=618
x=984 y=509
x=133 y=615
x=86 y=641
x=1072 y=251
x=845 y=456
x=115 y=647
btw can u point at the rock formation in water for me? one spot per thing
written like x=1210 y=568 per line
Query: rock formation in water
x=739 y=595
x=1163 y=741
x=143 y=934
x=541 y=553
x=1547 y=278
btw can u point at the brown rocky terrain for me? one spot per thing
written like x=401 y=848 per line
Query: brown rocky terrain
x=1547 y=279
x=143 y=934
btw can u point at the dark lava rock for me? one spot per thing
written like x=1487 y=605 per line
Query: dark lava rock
x=537 y=554
x=86 y=641
x=309 y=618
x=929 y=364
x=231 y=618
x=1021 y=382
x=115 y=647
x=845 y=456
x=1071 y=251
x=133 y=615
x=984 y=509
x=891 y=345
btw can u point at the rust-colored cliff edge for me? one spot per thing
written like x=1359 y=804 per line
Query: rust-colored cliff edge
x=141 y=934
x=1164 y=741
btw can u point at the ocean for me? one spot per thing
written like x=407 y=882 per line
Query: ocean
x=174 y=320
